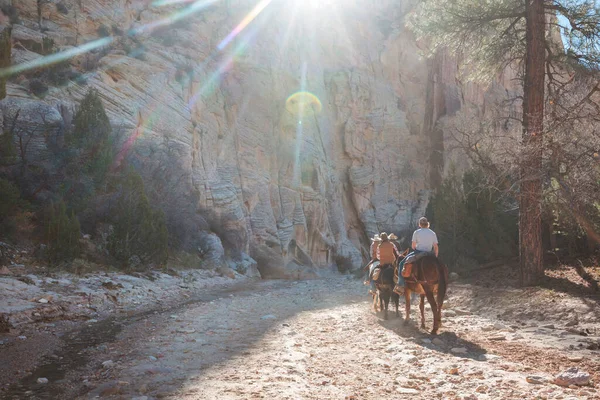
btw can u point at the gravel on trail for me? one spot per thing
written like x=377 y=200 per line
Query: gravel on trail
x=320 y=340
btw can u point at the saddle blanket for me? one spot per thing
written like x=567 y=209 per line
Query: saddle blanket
x=410 y=260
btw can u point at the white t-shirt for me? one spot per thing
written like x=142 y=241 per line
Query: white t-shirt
x=425 y=239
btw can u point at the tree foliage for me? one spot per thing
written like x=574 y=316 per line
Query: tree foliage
x=91 y=124
x=9 y=198
x=553 y=47
x=92 y=133
x=62 y=234
x=139 y=230
x=474 y=222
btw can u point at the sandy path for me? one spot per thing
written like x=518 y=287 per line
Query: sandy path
x=319 y=340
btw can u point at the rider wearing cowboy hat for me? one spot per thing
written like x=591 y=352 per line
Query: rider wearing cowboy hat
x=382 y=250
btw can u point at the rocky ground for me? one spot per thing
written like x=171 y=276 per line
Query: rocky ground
x=319 y=339
x=39 y=306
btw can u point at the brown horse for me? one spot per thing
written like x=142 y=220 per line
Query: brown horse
x=429 y=278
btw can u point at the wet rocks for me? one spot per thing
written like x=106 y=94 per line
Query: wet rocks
x=108 y=364
x=42 y=381
x=572 y=376
x=438 y=342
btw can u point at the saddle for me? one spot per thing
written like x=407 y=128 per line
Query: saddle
x=377 y=271
x=410 y=261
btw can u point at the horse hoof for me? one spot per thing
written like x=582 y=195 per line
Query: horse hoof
x=423 y=326
x=434 y=331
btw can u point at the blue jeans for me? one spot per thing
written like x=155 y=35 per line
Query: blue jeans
x=371 y=268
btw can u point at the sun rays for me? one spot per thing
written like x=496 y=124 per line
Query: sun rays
x=204 y=76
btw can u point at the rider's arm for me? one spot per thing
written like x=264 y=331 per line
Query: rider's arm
x=414 y=245
x=436 y=249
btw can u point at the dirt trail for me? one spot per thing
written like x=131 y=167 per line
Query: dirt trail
x=320 y=340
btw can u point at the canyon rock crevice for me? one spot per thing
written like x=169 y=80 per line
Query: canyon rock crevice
x=295 y=193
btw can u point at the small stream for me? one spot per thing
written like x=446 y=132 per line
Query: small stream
x=72 y=355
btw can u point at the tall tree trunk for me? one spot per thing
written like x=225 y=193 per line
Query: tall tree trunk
x=530 y=227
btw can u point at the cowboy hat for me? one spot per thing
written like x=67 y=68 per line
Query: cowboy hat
x=376 y=238
x=391 y=236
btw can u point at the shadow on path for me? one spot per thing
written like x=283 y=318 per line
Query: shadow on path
x=73 y=356
x=444 y=342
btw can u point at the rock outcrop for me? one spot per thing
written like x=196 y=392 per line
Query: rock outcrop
x=295 y=191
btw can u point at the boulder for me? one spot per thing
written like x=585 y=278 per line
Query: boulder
x=572 y=376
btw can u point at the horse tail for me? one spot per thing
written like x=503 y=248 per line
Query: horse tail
x=442 y=282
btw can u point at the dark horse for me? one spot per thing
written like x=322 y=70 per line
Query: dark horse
x=385 y=290
x=429 y=278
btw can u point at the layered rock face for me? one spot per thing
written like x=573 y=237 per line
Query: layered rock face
x=207 y=117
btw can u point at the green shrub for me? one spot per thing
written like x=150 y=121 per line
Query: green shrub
x=91 y=124
x=103 y=31
x=139 y=230
x=116 y=30
x=9 y=199
x=471 y=220
x=62 y=8
x=62 y=234
x=38 y=88
x=8 y=152
x=92 y=134
x=447 y=212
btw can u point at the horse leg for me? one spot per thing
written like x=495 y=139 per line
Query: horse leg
x=386 y=302
x=382 y=306
x=440 y=304
x=407 y=305
x=375 y=301
x=396 y=299
x=422 y=308
x=434 y=310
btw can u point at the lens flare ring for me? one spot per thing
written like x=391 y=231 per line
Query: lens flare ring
x=303 y=103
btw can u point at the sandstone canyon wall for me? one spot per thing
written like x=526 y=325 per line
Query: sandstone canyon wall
x=212 y=124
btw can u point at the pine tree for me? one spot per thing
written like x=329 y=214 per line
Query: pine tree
x=91 y=124
x=491 y=35
x=92 y=132
x=139 y=230
x=62 y=233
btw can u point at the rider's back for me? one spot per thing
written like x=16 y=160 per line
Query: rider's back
x=424 y=238
x=386 y=253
